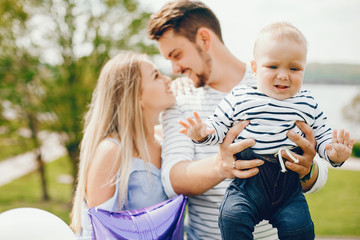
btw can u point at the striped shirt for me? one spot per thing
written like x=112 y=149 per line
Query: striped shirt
x=270 y=119
x=203 y=210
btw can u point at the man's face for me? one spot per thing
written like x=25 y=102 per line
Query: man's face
x=186 y=57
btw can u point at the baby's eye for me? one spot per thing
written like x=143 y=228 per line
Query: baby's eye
x=272 y=67
x=294 y=69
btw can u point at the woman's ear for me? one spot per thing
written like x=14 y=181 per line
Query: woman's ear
x=253 y=68
x=203 y=38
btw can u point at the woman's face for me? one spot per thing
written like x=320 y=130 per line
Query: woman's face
x=156 y=94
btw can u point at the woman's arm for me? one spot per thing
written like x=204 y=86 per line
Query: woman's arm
x=101 y=171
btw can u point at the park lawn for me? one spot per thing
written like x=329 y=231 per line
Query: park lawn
x=10 y=147
x=334 y=208
x=26 y=191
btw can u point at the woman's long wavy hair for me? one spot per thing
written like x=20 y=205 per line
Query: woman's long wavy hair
x=115 y=109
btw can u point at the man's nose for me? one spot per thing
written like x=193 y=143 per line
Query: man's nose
x=176 y=68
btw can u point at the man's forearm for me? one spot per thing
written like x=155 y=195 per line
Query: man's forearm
x=318 y=179
x=307 y=185
x=195 y=177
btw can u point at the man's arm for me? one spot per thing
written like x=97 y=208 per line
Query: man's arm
x=307 y=144
x=182 y=175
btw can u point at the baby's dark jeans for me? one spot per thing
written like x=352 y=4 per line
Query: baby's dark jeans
x=270 y=195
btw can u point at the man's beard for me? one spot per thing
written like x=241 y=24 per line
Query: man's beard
x=204 y=76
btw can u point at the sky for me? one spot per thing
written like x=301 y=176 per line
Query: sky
x=331 y=27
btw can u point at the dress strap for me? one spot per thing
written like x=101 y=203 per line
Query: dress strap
x=114 y=140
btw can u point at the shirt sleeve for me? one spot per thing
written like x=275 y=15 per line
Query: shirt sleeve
x=221 y=120
x=322 y=176
x=176 y=146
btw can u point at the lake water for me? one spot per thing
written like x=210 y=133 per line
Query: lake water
x=332 y=99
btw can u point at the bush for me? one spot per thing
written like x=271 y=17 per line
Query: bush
x=356 y=149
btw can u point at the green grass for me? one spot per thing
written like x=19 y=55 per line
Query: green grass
x=26 y=191
x=335 y=208
x=11 y=147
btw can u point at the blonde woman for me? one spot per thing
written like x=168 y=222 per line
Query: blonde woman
x=120 y=155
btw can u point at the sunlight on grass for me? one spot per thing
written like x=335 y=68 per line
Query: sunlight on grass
x=26 y=191
x=335 y=208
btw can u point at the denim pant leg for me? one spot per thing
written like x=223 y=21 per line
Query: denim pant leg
x=292 y=218
x=245 y=203
x=271 y=195
x=238 y=212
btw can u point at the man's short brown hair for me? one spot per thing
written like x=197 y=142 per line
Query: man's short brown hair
x=185 y=17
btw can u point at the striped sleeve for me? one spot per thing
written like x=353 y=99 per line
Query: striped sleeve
x=222 y=120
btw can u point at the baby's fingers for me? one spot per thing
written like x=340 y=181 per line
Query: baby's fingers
x=340 y=138
x=334 y=136
x=184 y=131
x=210 y=131
x=197 y=117
x=184 y=124
x=191 y=121
x=347 y=138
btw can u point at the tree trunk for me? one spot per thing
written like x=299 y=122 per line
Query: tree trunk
x=41 y=169
x=40 y=162
x=73 y=150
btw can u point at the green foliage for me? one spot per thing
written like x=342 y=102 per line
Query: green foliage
x=13 y=146
x=52 y=93
x=352 y=110
x=356 y=150
x=334 y=209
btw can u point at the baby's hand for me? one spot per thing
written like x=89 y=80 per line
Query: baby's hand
x=196 y=129
x=340 y=148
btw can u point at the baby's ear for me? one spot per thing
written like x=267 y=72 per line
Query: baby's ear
x=253 y=68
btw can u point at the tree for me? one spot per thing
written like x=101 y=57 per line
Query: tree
x=71 y=41
x=20 y=83
x=352 y=110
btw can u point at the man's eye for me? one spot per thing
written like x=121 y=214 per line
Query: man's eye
x=177 y=56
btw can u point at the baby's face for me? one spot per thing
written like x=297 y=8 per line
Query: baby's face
x=279 y=67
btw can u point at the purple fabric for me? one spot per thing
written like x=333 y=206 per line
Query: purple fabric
x=160 y=221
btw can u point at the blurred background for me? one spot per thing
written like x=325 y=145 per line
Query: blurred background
x=51 y=53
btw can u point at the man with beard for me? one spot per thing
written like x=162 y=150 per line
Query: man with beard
x=189 y=35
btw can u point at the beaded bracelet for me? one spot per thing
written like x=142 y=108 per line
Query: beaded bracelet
x=310 y=174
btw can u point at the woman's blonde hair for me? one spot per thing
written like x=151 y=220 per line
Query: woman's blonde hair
x=115 y=109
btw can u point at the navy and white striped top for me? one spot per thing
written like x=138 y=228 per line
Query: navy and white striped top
x=203 y=209
x=270 y=119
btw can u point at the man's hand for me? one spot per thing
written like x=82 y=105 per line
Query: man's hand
x=229 y=167
x=307 y=144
